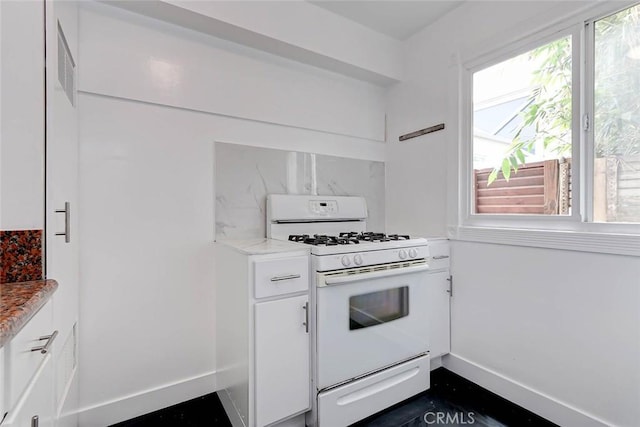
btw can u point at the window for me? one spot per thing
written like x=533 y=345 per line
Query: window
x=522 y=132
x=555 y=129
x=616 y=118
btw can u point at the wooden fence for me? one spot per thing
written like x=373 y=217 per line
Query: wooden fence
x=617 y=189
x=536 y=188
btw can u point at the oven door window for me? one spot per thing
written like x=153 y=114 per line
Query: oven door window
x=379 y=307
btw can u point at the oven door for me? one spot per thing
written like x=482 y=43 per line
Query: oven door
x=368 y=320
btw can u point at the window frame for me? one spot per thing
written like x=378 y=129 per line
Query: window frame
x=503 y=228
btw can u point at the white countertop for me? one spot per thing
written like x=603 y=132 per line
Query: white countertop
x=259 y=246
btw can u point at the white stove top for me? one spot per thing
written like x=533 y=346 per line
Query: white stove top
x=349 y=254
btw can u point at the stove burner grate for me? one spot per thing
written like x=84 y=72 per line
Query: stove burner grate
x=346 y=238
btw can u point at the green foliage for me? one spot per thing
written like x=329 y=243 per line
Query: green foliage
x=617 y=84
x=617 y=105
x=548 y=110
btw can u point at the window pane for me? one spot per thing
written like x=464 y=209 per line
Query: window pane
x=616 y=123
x=522 y=133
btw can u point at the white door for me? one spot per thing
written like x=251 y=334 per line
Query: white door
x=369 y=321
x=62 y=188
x=439 y=302
x=281 y=359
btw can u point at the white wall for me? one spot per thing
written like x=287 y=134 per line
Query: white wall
x=153 y=100
x=146 y=230
x=564 y=324
x=185 y=69
x=296 y=30
x=555 y=331
x=22 y=116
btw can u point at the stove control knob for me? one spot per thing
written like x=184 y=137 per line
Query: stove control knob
x=357 y=259
x=402 y=254
x=413 y=253
x=346 y=261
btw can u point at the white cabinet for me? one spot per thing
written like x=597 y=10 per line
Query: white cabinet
x=2 y=381
x=35 y=407
x=28 y=373
x=23 y=131
x=282 y=359
x=262 y=334
x=439 y=298
x=22 y=363
x=62 y=196
x=439 y=342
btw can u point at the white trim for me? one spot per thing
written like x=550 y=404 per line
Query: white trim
x=435 y=362
x=230 y=409
x=465 y=162
x=535 y=401
x=577 y=134
x=247 y=131
x=140 y=403
x=511 y=41
x=587 y=108
x=608 y=243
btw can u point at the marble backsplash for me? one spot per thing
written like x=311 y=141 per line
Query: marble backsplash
x=244 y=175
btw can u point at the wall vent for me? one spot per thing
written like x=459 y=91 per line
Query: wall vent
x=66 y=367
x=66 y=67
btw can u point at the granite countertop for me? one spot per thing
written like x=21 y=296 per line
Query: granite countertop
x=19 y=302
x=260 y=246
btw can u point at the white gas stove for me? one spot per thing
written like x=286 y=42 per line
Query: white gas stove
x=335 y=227
x=368 y=298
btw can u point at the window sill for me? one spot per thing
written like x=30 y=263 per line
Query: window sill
x=581 y=241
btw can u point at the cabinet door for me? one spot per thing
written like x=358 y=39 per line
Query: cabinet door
x=282 y=386
x=62 y=193
x=438 y=306
x=35 y=407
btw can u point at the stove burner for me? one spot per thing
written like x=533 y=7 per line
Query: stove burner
x=318 y=239
x=398 y=237
x=346 y=238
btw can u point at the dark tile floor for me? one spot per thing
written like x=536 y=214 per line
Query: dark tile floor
x=454 y=401
x=451 y=401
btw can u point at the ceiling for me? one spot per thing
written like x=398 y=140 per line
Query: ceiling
x=398 y=19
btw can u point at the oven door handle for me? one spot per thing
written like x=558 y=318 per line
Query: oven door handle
x=338 y=280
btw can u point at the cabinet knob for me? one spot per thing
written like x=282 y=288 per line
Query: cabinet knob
x=35 y=421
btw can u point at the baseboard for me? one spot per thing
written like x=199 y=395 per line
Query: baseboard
x=134 y=405
x=230 y=409
x=435 y=362
x=539 y=403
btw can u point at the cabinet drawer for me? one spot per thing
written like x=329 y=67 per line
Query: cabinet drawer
x=22 y=363
x=344 y=405
x=37 y=400
x=281 y=276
